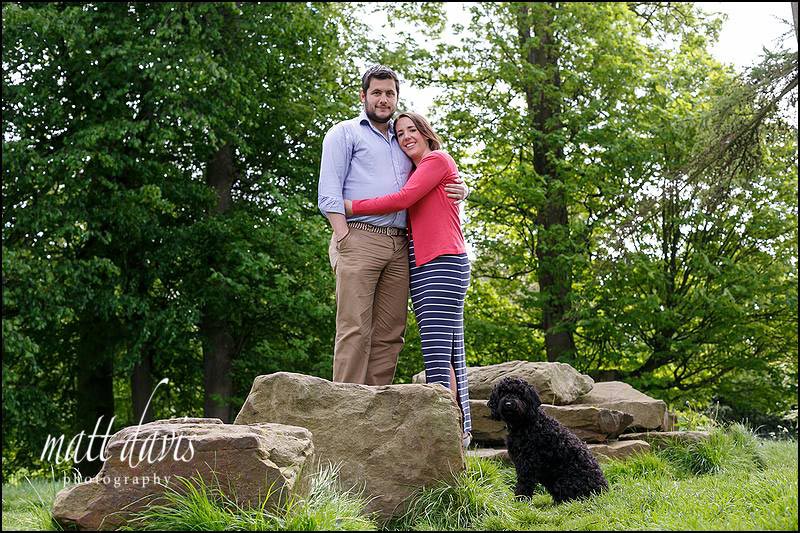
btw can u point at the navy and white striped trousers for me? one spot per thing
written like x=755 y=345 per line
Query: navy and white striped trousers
x=437 y=295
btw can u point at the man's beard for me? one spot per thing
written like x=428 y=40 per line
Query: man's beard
x=375 y=118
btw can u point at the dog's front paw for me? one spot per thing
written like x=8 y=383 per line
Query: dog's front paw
x=523 y=491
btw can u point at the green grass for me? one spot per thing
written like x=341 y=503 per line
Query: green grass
x=27 y=505
x=480 y=493
x=732 y=481
x=196 y=505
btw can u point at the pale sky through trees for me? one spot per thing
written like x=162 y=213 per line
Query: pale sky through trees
x=750 y=27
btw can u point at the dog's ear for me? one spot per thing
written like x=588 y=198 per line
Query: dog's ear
x=532 y=397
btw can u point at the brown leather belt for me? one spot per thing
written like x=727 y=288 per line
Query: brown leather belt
x=385 y=230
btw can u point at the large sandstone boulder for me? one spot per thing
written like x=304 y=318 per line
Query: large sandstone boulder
x=589 y=423
x=389 y=440
x=556 y=383
x=647 y=412
x=244 y=461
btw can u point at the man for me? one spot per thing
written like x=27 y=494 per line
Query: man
x=361 y=158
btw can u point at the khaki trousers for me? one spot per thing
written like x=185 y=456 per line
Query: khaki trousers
x=371 y=305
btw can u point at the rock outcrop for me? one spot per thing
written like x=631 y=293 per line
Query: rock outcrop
x=647 y=412
x=602 y=452
x=589 y=423
x=619 y=449
x=660 y=439
x=556 y=383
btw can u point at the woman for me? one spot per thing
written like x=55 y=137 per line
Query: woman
x=439 y=267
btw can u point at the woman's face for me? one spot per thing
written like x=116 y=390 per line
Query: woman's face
x=412 y=142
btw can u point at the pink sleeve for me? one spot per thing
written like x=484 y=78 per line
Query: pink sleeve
x=431 y=171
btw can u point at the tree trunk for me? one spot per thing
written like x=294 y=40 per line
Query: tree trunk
x=220 y=176
x=218 y=341
x=142 y=387
x=552 y=243
x=218 y=349
x=94 y=396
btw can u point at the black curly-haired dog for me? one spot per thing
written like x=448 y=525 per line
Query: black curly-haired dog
x=543 y=451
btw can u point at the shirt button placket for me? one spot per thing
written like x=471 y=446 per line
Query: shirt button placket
x=394 y=169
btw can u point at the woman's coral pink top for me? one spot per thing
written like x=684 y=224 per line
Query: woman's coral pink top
x=432 y=217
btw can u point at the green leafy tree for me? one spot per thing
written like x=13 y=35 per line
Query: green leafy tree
x=695 y=287
x=83 y=209
x=630 y=203
x=159 y=167
x=540 y=100
x=702 y=269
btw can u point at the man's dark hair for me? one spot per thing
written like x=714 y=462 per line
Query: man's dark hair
x=379 y=72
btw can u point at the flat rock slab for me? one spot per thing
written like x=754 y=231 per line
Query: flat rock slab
x=601 y=452
x=647 y=412
x=485 y=430
x=243 y=461
x=556 y=383
x=499 y=454
x=389 y=440
x=589 y=423
x=620 y=449
x=660 y=439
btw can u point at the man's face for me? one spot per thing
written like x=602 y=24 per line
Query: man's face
x=380 y=100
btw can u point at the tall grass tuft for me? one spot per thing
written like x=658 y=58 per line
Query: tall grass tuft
x=40 y=517
x=479 y=496
x=728 y=449
x=27 y=503
x=200 y=506
x=638 y=466
x=328 y=507
x=193 y=506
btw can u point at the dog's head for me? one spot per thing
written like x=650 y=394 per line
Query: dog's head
x=513 y=399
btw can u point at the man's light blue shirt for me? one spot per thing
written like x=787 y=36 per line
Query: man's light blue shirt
x=358 y=162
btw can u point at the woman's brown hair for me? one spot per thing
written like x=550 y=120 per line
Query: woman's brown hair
x=424 y=127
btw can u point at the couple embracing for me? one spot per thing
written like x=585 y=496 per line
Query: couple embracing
x=391 y=195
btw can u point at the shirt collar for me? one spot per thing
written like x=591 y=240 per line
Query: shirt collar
x=362 y=119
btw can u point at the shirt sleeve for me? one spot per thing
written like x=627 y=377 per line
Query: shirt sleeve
x=432 y=170
x=337 y=152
